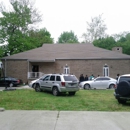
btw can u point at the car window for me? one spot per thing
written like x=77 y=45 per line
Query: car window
x=124 y=78
x=70 y=78
x=105 y=79
x=7 y=78
x=52 y=78
x=98 y=79
x=46 y=78
x=2 y=79
x=58 y=78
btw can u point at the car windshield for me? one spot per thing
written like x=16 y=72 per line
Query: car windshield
x=124 y=78
x=70 y=78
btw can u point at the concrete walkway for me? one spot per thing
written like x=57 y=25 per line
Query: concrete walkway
x=63 y=120
x=19 y=87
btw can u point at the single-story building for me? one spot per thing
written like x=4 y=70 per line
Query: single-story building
x=79 y=59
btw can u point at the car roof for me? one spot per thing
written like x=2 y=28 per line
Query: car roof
x=125 y=75
x=61 y=74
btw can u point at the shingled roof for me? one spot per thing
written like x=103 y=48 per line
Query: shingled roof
x=51 y=52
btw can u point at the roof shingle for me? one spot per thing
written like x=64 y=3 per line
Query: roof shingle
x=68 y=51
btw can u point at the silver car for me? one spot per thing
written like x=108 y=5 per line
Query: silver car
x=99 y=83
x=56 y=83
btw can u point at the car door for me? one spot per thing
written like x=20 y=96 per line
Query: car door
x=2 y=82
x=45 y=82
x=97 y=83
x=105 y=83
x=51 y=82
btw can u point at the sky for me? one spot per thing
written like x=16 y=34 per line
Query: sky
x=66 y=15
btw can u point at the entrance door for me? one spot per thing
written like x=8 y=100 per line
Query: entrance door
x=35 y=70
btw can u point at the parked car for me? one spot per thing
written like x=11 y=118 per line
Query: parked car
x=9 y=81
x=122 y=91
x=99 y=83
x=56 y=83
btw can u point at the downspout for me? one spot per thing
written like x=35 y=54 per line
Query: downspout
x=5 y=68
x=28 y=70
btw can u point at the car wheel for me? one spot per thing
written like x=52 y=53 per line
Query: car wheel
x=37 y=88
x=124 y=88
x=86 y=86
x=33 y=86
x=121 y=101
x=11 y=85
x=111 y=86
x=55 y=91
x=72 y=93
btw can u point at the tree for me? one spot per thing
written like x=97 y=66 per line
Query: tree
x=16 y=23
x=95 y=30
x=68 y=37
x=106 y=43
x=38 y=37
x=117 y=41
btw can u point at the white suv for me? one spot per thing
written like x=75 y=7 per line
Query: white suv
x=122 y=92
x=56 y=83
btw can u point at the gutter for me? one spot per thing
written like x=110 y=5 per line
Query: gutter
x=41 y=60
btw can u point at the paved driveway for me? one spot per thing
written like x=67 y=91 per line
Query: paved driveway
x=63 y=120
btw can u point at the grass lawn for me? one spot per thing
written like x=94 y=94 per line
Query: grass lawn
x=84 y=100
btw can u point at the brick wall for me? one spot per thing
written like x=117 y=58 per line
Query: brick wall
x=88 y=67
x=16 y=68
x=19 y=68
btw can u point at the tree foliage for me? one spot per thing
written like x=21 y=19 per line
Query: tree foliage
x=68 y=37
x=95 y=29
x=38 y=37
x=16 y=25
x=118 y=41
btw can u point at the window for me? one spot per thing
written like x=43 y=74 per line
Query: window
x=98 y=79
x=58 y=78
x=66 y=70
x=47 y=78
x=52 y=78
x=105 y=70
x=106 y=79
x=70 y=78
x=125 y=78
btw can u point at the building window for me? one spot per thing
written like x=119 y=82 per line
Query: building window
x=66 y=69
x=105 y=70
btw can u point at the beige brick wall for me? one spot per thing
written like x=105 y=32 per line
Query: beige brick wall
x=88 y=67
x=16 y=68
x=19 y=68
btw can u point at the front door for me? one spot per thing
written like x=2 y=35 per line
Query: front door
x=35 y=70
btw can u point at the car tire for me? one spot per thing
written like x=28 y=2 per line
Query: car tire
x=123 y=88
x=11 y=84
x=111 y=86
x=37 y=88
x=86 y=86
x=121 y=101
x=72 y=93
x=55 y=91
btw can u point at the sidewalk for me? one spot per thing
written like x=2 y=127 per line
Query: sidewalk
x=63 y=120
x=19 y=87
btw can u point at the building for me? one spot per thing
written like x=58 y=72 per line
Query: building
x=55 y=58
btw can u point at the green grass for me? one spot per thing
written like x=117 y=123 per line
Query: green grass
x=84 y=100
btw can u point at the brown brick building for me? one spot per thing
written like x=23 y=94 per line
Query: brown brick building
x=52 y=58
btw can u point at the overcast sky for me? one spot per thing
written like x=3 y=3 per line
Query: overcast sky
x=66 y=15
